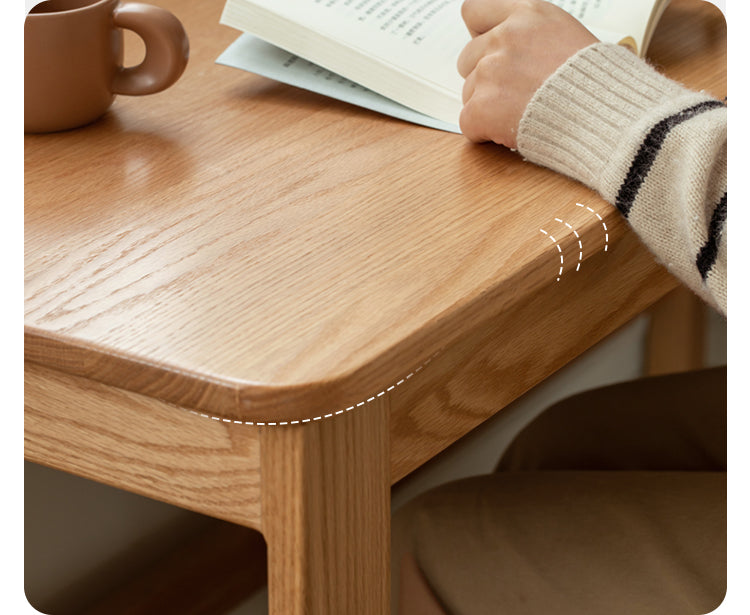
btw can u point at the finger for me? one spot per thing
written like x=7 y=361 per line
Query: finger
x=471 y=123
x=469 y=86
x=471 y=54
x=481 y=16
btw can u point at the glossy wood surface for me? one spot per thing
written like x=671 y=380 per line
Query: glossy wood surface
x=261 y=253
x=326 y=514
x=205 y=264
x=142 y=445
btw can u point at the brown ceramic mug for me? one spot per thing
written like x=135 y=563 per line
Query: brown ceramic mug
x=73 y=54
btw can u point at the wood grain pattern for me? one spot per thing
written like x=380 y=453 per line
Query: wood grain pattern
x=142 y=445
x=326 y=514
x=505 y=356
x=262 y=253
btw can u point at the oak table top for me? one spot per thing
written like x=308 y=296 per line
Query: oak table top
x=240 y=250
x=259 y=253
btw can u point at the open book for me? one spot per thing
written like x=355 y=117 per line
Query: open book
x=394 y=56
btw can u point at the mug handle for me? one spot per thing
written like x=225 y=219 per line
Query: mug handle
x=167 y=49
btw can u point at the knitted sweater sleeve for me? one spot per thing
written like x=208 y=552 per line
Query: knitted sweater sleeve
x=652 y=148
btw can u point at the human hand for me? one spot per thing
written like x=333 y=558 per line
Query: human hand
x=515 y=46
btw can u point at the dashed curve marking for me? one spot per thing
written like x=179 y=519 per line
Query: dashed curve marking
x=580 y=244
x=322 y=416
x=559 y=249
x=604 y=224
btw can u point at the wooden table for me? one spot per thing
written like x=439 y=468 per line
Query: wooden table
x=266 y=306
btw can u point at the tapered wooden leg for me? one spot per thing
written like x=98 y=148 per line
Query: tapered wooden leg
x=326 y=514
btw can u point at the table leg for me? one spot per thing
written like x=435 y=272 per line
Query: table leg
x=676 y=335
x=326 y=514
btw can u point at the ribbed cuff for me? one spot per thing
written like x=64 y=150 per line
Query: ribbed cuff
x=588 y=118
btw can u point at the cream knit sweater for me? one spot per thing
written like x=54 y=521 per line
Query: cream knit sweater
x=652 y=148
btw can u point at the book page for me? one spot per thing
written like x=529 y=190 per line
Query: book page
x=405 y=20
x=614 y=20
x=406 y=50
x=256 y=56
x=585 y=11
x=421 y=37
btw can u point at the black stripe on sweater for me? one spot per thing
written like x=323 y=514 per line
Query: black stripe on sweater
x=707 y=255
x=649 y=150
